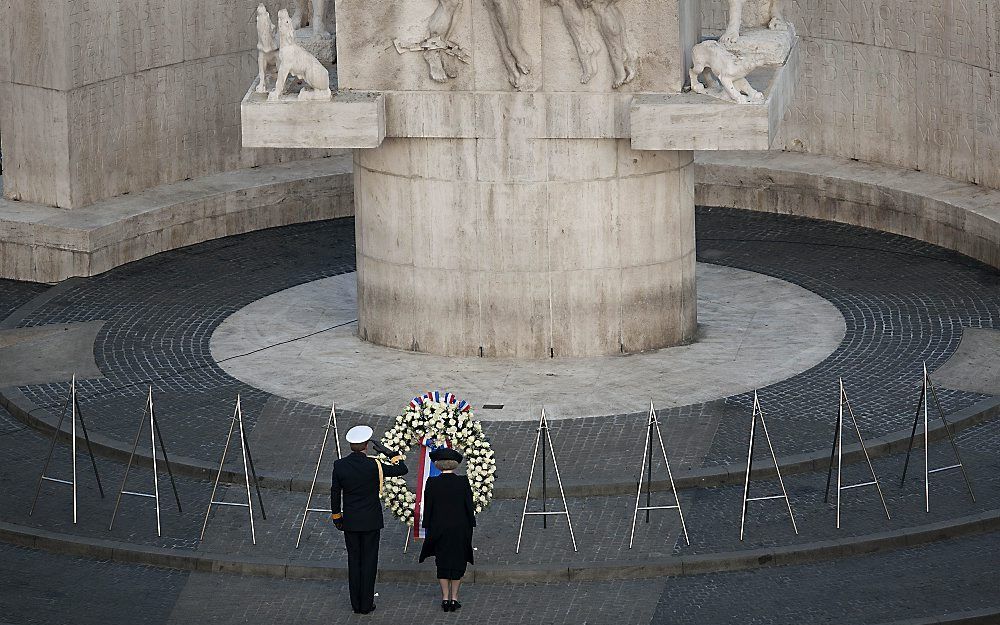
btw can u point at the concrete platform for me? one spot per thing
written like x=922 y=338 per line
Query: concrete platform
x=754 y=330
x=692 y=121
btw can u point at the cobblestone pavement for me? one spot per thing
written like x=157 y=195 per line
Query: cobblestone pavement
x=15 y=294
x=904 y=302
x=950 y=576
x=947 y=577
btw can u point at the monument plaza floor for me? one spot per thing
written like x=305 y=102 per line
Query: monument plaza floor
x=786 y=307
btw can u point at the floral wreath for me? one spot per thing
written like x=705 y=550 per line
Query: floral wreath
x=442 y=419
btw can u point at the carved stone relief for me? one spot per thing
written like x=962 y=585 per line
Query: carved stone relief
x=776 y=20
x=613 y=30
x=438 y=48
x=505 y=20
x=579 y=31
x=729 y=68
x=611 y=24
x=294 y=60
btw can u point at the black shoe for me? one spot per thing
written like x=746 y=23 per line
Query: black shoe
x=445 y=605
x=368 y=611
x=455 y=605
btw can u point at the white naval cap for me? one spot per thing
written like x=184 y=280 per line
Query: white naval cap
x=359 y=434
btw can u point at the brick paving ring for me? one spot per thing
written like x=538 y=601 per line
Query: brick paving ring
x=901 y=302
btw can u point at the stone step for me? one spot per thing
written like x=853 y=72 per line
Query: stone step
x=634 y=568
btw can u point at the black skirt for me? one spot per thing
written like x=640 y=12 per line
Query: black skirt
x=446 y=573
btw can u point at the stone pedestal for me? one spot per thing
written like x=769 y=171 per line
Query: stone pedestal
x=556 y=247
x=523 y=170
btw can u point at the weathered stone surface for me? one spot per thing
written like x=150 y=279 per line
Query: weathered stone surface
x=910 y=83
x=659 y=31
x=693 y=121
x=524 y=248
x=947 y=212
x=143 y=92
x=46 y=244
x=348 y=120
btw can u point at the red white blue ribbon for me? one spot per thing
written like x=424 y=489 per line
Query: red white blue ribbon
x=425 y=471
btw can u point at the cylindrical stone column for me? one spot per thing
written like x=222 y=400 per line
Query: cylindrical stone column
x=526 y=249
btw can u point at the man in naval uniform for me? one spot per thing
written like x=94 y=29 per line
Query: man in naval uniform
x=357 y=511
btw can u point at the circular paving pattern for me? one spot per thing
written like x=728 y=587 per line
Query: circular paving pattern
x=754 y=330
x=902 y=302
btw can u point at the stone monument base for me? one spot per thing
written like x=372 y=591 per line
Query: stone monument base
x=551 y=247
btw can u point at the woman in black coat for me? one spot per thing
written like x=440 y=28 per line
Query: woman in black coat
x=449 y=516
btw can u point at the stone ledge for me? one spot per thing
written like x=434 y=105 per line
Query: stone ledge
x=348 y=120
x=692 y=121
x=290 y=568
x=953 y=214
x=45 y=244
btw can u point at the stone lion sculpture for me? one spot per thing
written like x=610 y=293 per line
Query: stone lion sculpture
x=295 y=61
x=267 y=47
x=731 y=69
x=776 y=20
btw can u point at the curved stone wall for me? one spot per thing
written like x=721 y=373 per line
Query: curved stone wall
x=563 y=248
x=100 y=99
x=910 y=83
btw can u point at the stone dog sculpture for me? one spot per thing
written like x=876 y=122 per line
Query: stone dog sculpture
x=731 y=69
x=776 y=19
x=294 y=60
x=267 y=47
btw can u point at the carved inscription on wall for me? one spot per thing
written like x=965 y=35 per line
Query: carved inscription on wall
x=151 y=33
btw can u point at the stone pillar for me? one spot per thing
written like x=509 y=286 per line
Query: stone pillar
x=523 y=170
x=562 y=247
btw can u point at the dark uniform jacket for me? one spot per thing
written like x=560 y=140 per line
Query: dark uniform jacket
x=355 y=491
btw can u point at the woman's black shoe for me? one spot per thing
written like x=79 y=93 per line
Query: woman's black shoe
x=455 y=605
x=445 y=605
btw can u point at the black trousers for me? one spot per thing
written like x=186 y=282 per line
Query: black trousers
x=362 y=565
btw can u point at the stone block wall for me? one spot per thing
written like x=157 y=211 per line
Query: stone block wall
x=100 y=98
x=910 y=83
